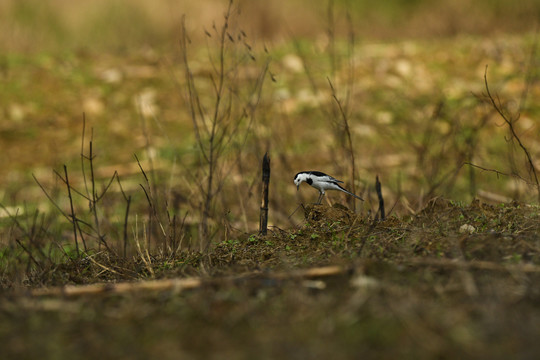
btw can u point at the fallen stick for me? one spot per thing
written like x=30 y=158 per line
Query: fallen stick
x=181 y=284
x=119 y=288
x=473 y=265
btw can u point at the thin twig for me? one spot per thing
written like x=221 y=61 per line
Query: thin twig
x=55 y=204
x=83 y=157
x=517 y=176
x=94 y=202
x=350 y=147
x=126 y=224
x=497 y=105
x=73 y=217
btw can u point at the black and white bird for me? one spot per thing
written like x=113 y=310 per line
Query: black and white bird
x=321 y=182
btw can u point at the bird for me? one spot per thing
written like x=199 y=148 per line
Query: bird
x=321 y=182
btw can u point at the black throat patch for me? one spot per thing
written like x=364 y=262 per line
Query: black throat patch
x=309 y=181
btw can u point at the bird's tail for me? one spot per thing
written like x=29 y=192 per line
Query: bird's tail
x=350 y=193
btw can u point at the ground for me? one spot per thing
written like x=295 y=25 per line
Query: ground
x=420 y=286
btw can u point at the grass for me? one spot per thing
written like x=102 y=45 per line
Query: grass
x=120 y=197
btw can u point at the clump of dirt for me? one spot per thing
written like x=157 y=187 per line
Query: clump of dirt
x=444 y=229
x=320 y=214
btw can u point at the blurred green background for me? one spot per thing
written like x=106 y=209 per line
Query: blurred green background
x=121 y=25
x=411 y=73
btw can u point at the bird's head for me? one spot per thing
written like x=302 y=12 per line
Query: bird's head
x=299 y=178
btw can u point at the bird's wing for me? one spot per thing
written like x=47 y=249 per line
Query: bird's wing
x=317 y=173
x=325 y=177
x=334 y=179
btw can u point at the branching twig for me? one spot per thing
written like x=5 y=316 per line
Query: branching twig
x=499 y=172
x=510 y=121
x=350 y=147
x=218 y=122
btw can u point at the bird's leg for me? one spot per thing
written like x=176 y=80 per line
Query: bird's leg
x=320 y=198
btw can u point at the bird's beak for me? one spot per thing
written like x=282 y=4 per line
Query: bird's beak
x=297 y=187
